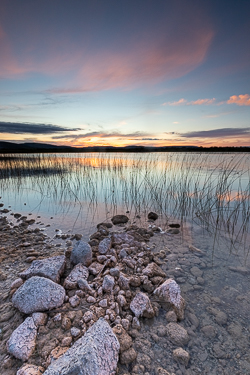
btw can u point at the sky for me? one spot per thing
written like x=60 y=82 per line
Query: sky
x=119 y=73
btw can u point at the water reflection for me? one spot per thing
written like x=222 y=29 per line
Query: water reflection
x=80 y=189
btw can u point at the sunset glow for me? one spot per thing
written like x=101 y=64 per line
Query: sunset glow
x=111 y=74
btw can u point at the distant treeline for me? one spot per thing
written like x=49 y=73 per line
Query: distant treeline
x=13 y=148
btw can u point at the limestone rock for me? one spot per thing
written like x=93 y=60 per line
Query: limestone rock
x=38 y=294
x=78 y=272
x=94 y=353
x=51 y=268
x=119 y=219
x=141 y=306
x=177 y=334
x=81 y=253
x=180 y=355
x=30 y=370
x=153 y=270
x=104 y=246
x=22 y=342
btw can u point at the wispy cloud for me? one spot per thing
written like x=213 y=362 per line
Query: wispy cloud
x=194 y=102
x=31 y=128
x=218 y=133
x=239 y=100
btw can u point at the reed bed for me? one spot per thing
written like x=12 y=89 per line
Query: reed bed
x=211 y=189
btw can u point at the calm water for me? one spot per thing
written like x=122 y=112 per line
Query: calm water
x=80 y=190
x=209 y=194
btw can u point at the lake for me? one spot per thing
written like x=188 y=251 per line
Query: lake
x=207 y=194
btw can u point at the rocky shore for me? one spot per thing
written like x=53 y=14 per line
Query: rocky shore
x=112 y=305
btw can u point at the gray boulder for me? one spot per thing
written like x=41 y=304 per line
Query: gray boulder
x=52 y=268
x=22 y=342
x=78 y=272
x=81 y=253
x=95 y=353
x=38 y=294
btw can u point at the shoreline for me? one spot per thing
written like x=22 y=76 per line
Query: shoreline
x=145 y=341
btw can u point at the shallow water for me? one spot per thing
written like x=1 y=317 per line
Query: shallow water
x=207 y=194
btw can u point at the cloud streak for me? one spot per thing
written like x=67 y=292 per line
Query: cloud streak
x=31 y=128
x=218 y=133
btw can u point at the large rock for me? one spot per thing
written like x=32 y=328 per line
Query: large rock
x=119 y=219
x=78 y=272
x=169 y=295
x=96 y=353
x=38 y=294
x=82 y=253
x=22 y=342
x=141 y=306
x=52 y=268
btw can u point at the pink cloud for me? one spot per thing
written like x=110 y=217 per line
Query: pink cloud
x=195 y=102
x=203 y=101
x=239 y=99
